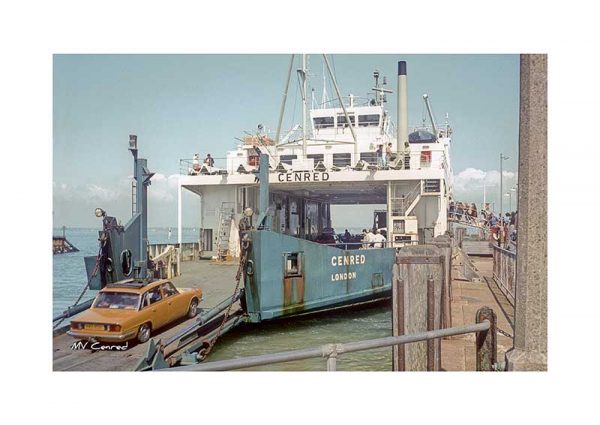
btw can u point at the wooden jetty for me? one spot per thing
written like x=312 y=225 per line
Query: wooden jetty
x=60 y=244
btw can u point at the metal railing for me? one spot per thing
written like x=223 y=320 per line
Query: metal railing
x=188 y=250
x=327 y=161
x=369 y=245
x=505 y=272
x=190 y=168
x=332 y=351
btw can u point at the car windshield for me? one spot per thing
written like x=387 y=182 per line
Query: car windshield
x=117 y=300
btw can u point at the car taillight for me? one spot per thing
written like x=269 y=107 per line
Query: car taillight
x=114 y=328
x=76 y=325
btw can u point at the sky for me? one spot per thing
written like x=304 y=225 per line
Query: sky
x=179 y=105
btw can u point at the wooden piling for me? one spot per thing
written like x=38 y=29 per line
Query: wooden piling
x=414 y=266
x=443 y=242
x=398 y=362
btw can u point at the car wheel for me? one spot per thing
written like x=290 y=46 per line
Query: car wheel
x=193 y=311
x=144 y=333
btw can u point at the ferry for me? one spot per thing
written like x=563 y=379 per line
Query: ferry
x=347 y=151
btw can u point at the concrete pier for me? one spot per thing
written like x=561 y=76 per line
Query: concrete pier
x=531 y=311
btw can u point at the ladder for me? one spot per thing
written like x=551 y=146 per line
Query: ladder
x=133 y=197
x=403 y=203
x=226 y=214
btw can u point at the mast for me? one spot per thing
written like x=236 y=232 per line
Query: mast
x=304 y=105
x=337 y=91
x=285 y=93
x=433 y=126
x=324 y=97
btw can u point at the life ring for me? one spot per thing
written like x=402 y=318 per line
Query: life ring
x=109 y=265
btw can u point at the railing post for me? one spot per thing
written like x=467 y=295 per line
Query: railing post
x=399 y=364
x=430 y=324
x=331 y=351
x=332 y=362
x=486 y=341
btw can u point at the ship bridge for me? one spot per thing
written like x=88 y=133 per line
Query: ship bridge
x=344 y=153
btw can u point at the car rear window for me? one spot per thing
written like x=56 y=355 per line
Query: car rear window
x=117 y=300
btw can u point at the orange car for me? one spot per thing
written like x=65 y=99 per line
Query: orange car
x=133 y=309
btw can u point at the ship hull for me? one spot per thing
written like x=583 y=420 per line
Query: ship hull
x=288 y=276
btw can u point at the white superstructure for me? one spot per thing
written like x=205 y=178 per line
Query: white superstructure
x=332 y=161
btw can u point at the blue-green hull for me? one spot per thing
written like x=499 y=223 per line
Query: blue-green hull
x=324 y=277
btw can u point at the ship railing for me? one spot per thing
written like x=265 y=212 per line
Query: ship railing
x=191 y=167
x=322 y=162
x=369 y=245
x=485 y=352
x=505 y=271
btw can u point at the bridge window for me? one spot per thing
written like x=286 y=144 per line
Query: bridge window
x=369 y=157
x=371 y=120
x=341 y=159
x=341 y=120
x=425 y=159
x=316 y=156
x=287 y=159
x=323 y=122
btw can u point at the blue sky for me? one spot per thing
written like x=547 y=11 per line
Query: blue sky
x=182 y=104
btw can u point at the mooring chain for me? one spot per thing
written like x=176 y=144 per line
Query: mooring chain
x=238 y=278
x=86 y=286
x=500 y=331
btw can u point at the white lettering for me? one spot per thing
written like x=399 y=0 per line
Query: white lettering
x=343 y=276
x=299 y=176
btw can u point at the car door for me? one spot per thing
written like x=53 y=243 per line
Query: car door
x=177 y=304
x=155 y=307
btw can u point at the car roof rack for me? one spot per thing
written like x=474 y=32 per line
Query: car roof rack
x=136 y=284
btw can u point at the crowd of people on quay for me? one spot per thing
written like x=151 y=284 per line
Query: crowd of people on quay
x=499 y=227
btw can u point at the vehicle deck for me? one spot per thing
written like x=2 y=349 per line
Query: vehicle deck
x=218 y=281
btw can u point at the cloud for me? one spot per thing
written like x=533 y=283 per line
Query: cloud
x=73 y=205
x=469 y=186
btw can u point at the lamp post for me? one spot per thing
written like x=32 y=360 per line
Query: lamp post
x=502 y=158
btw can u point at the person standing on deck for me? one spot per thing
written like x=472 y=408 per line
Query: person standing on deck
x=389 y=155
x=379 y=155
x=368 y=239
x=378 y=239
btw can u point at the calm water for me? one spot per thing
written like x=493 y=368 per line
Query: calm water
x=369 y=322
